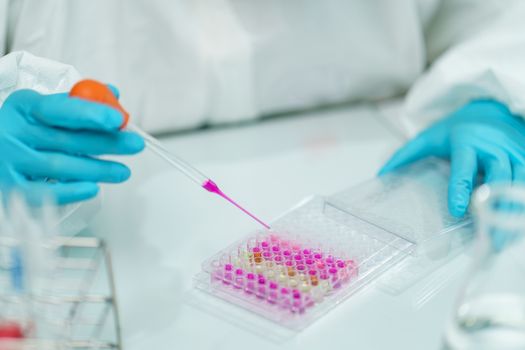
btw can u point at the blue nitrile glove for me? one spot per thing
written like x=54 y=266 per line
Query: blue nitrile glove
x=48 y=145
x=483 y=135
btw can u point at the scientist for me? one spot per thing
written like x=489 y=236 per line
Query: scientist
x=187 y=63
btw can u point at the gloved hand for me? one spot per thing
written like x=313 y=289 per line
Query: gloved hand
x=481 y=136
x=48 y=144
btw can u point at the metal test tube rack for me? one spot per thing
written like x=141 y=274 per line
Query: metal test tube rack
x=80 y=263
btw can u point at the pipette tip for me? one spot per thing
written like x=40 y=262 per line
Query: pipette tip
x=211 y=186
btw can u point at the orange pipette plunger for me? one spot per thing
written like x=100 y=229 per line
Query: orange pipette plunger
x=95 y=91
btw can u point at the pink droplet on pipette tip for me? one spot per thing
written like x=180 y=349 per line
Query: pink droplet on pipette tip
x=211 y=186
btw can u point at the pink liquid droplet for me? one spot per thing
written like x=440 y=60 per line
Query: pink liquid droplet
x=212 y=187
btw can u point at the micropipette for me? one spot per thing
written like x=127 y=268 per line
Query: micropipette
x=98 y=92
x=191 y=172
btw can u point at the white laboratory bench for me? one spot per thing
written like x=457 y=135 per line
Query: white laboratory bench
x=160 y=227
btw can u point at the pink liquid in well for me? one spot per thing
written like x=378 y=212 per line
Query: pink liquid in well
x=211 y=186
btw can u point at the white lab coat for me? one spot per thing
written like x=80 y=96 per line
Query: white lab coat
x=185 y=63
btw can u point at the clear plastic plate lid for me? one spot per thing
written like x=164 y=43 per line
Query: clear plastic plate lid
x=411 y=202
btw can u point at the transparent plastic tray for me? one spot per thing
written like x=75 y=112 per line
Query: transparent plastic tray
x=325 y=249
x=306 y=264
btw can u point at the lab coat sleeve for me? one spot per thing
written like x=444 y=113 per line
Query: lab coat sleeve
x=489 y=63
x=21 y=70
